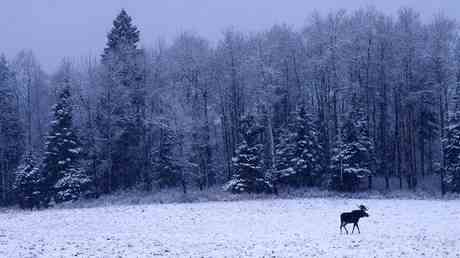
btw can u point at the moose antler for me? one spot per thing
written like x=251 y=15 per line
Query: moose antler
x=362 y=207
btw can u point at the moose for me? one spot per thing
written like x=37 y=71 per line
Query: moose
x=353 y=217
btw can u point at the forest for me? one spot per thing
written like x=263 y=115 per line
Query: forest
x=350 y=102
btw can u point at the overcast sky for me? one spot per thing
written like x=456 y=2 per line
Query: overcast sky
x=54 y=29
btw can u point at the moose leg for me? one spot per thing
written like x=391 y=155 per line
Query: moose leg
x=346 y=230
x=358 y=228
x=354 y=225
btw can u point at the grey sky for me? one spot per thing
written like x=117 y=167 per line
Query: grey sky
x=54 y=29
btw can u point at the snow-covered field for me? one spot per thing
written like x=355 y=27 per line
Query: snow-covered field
x=265 y=228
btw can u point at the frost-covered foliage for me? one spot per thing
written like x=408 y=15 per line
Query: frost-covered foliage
x=309 y=149
x=63 y=178
x=166 y=169
x=72 y=185
x=403 y=68
x=452 y=153
x=123 y=37
x=248 y=163
x=121 y=111
x=353 y=153
x=298 y=153
x=285 y=161
x=29 y=184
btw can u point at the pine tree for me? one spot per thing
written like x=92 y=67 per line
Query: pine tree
x=123 y=106
x=64 y=179
x=308 y=149
x=72 y=185
x=352 y=156
x=11 y=132
x=166 y=168
x=122 y=39
x=29 y=183
x=298 y=153
x=122 y=60
x=452 y=153
x=247 y=163
x=285 y=159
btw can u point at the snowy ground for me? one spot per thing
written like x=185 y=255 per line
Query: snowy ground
x=264 y=228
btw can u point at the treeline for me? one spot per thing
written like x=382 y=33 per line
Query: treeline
x=349 y=98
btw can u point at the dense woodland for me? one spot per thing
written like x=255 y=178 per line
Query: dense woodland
x=349 y=99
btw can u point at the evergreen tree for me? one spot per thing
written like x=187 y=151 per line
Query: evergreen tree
x=166 y=168
x=11 y=132
x=285 y=159
x=29 y=183
x=122 y=39
x=247 y=163
x=452 y=153
x=72 y=185
x=298 y=159
x=63 y=178
x=121 y=58
x=123 y=106
x=200 y=157
x=352 y=156
x=308 y=149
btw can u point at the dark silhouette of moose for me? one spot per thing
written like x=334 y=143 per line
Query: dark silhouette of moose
x=352 y=217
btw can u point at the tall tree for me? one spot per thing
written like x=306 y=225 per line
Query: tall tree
x=34 y=97
x=11 y=131
x=191 y=74
x=165 y=164
x=298 y=153
x=231 y=65
x=248 y=173
x=353 y=155
x=122 y=106
x=29 y=183
x=452 y=153
x=64 y=177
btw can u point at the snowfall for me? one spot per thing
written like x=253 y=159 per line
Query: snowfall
x=254 y=228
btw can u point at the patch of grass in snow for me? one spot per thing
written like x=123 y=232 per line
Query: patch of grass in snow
x=216 y=194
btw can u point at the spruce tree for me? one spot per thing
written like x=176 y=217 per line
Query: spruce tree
x=298 y=152
x=452 y=153
x=247 y=163
x=123 y=105
x=64 y=178
x=352 y=155
x=29 y=183
x=308 y=148
x=166 y=169
x=122 y=39
x=285 y=159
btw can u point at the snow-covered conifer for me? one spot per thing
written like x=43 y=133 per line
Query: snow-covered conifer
x=298 y=151
x=166 y=168
x=122 y=106
x=352 y=155
x=452 y=153
x=64 y=179
x=247 y=163
x=29 y=183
